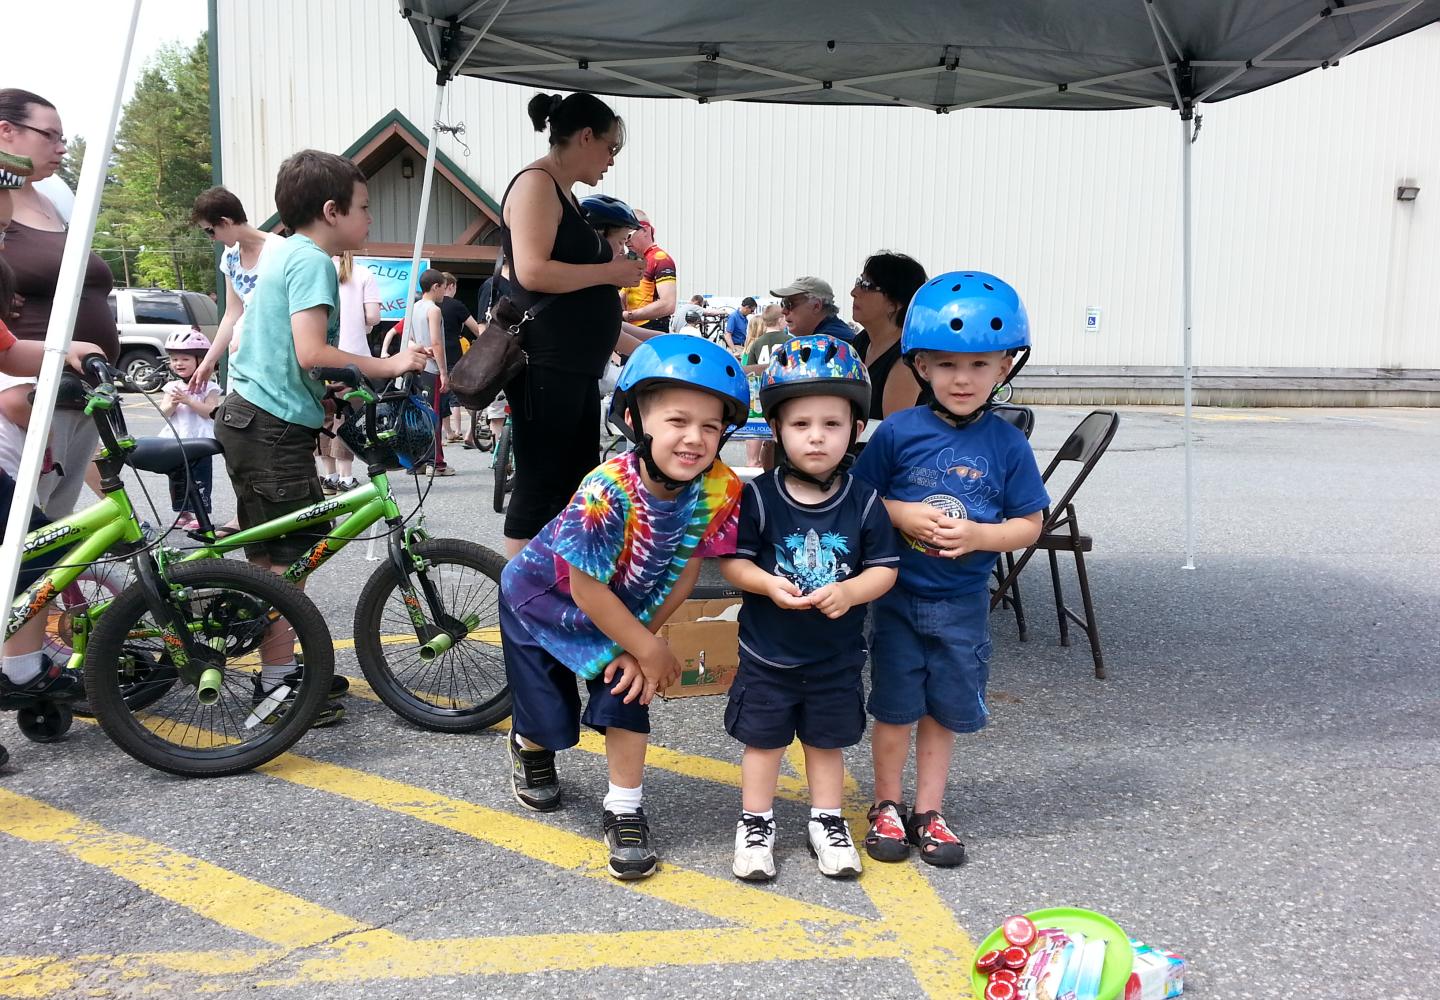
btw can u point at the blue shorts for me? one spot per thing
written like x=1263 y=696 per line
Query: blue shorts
x=545 y=699
x=930 y=656
x=822 y=704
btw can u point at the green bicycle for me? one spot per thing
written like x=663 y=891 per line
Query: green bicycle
x=426 y=625
x=171 y=662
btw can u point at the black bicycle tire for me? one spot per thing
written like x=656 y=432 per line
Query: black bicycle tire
x=313 y=641
x=501 y=466
x=370 y=651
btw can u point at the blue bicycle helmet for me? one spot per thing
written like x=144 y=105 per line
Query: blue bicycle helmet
x=968 y=312
x=684 y=360
x=412 y=441
x=603 y=211
x=818 y=365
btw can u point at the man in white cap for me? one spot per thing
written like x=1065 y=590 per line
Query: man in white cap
x=809 y=306
x=651 y=303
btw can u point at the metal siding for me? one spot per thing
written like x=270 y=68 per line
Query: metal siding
x=1303 y=257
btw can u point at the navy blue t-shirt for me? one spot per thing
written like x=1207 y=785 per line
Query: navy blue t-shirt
x=812 y=546
x=984 y=472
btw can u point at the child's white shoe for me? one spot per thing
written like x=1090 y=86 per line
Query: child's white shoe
x=754 y=848
x=832 y=848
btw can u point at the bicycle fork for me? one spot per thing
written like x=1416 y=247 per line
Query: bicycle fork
x=176 y=635
x=441 y=630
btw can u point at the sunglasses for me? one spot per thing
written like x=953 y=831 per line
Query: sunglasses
x=794 y=302
x=866 y=285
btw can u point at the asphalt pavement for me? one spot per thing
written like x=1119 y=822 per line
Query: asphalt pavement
x=1248 y=788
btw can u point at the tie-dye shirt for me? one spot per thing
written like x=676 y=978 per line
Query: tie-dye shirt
x=617 y=531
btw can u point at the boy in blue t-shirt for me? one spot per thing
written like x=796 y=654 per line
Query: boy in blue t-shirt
x=815 y=546
x=961 y=485
x=588 y=593
x=270 y=421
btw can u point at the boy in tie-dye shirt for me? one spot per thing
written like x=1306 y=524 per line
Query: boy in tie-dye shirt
x=588 y=593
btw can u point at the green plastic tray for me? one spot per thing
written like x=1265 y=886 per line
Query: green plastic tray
x=1119 y=955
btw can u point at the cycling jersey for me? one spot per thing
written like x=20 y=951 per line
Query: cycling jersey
x=659 y=268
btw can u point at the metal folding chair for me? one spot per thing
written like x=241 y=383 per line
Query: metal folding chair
x=1060 y=532
x=1023 y=419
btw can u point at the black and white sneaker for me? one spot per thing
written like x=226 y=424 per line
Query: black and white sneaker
x=754 y=848
x=628 y=837
x=832 y=848
x=533 y=777
x=268 y=704
x=55 y=682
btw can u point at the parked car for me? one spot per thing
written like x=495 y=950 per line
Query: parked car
x=146 y=316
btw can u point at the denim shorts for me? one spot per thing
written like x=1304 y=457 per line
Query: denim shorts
x=930 y=656
x=545 y=698
x=822 y=704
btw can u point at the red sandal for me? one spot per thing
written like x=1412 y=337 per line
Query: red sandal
x=938 y=845
x=886 y=840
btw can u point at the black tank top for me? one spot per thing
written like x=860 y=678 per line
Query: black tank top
x=578 y=331
x=879 y=372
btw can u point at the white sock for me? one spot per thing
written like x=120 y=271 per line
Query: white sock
x=817 y=813
x=768 y=815
x=273 y=675
x=24 y=668
x=623 y=800
x=525 y=744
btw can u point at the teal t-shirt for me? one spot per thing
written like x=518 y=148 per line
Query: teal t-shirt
x=294 y=276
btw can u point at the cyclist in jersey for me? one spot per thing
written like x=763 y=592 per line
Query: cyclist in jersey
x=651 y=303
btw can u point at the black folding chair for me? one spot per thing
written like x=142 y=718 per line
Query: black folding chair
x=1023 y=419
x=1060 y=532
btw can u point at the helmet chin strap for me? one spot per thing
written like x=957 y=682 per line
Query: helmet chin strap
x=643 y=443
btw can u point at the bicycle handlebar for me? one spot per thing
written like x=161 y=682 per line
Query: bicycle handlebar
x=349 y=375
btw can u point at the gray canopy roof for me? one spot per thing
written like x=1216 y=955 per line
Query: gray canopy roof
x=941 y=56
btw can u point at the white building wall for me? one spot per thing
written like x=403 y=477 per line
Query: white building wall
x=1304 y=258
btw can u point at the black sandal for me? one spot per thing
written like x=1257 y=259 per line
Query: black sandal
x=938 y=845
x=886 y=839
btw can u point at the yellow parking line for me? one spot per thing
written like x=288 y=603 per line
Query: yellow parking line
x=33 y=978
x=231 y=900
x=723 y=899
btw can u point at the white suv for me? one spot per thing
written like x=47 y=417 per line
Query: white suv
x=145 y=317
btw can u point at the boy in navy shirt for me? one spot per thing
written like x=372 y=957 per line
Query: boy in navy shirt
x=961 y=485
x=814 y=547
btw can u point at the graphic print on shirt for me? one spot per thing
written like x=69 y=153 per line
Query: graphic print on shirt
x=812 y=560
x=963 y=477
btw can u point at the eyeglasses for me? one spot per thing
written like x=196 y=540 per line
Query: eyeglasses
x=866 y=285
x=794 y=302
x=51 y=136
x=615 y=148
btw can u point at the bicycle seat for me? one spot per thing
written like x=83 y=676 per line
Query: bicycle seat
x=166 y=454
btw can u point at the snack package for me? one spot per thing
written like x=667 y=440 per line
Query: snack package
x=1092 y=967
x=1157 y=974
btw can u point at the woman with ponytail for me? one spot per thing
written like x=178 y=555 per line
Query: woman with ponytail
x=551 y=250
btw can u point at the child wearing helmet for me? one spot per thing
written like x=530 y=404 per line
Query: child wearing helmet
x=587 y=594
x=814 y=547
x=961 y=485
x=192 y=415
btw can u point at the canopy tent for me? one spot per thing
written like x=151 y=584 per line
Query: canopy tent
x=936 y=55
x=940 y=56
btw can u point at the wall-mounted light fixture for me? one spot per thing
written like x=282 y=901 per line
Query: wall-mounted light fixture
x=407 y=168
x=1407 y=191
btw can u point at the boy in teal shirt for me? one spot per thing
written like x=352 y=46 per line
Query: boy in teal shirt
x=270 y=422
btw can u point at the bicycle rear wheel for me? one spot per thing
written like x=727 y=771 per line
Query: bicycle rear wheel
x=227 y=607
x=504 y=467
x=462 y=688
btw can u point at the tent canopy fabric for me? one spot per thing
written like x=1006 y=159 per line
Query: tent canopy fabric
x=939 y=55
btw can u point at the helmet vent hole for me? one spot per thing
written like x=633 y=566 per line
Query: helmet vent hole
x=996 y=323
x=730 y=370
x=805 y=355
x=694 y=359
x=956 y=288
x=935 y=281
x=988 y=287
x=957 y=324
x=969 y=275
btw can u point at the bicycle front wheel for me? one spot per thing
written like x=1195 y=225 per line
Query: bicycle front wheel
x=221 y=720
x=461 y=688
x=504 y=468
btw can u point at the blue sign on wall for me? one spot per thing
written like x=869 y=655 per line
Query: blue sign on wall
x=392 y=275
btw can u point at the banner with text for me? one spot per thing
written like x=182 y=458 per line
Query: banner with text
x=392 y=275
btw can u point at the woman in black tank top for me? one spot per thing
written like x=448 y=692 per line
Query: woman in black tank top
x=551 y=250
x=878 y=303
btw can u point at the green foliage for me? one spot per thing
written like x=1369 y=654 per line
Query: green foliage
x=161 y=162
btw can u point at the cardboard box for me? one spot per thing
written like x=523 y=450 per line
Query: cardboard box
x=709 y=652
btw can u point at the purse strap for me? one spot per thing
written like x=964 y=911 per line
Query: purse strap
x=538 y=306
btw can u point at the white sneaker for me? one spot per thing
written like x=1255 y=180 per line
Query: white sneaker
x=754 y=848
x=832 y=848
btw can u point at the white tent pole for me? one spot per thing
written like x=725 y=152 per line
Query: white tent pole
x=1187 y=254
x=62 y=323
x=423 y=215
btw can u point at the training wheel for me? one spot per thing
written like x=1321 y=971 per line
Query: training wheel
x=45 y=721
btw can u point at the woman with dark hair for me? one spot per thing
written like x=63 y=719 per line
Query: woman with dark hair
x=878 y=302
x=30 y=127
x=551 y=249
